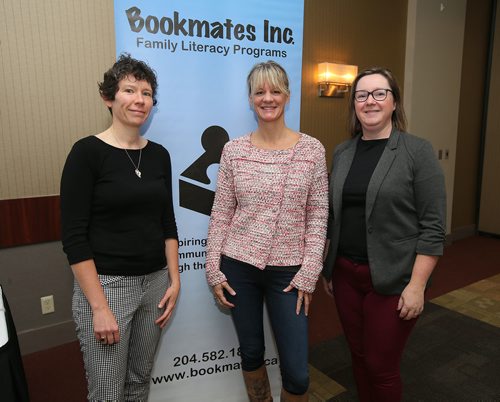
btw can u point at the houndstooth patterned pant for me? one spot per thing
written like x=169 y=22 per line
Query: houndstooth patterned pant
x=121 y=372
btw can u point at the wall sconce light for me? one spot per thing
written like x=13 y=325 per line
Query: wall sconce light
x=334 y=80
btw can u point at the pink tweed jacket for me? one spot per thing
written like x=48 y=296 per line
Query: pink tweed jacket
x=270 y=208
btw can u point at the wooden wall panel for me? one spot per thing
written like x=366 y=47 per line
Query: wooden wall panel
x=433 y=77
x=351 y=32
x=29 y=221
x=489 y=218
x=474 y=64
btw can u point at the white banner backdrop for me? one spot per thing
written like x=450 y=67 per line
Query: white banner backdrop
x=202 y=52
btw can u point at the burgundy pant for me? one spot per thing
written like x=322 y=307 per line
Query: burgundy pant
x=375 y=333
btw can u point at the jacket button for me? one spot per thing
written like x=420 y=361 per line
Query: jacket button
x=370 y=229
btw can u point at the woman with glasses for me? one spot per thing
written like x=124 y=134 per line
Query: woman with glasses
x=386 y=231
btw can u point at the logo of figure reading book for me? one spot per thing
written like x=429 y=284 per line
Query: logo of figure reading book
x=195 y=197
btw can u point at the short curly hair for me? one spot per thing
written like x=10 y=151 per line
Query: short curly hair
x=125 y=66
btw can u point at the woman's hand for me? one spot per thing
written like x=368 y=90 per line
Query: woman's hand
x=411 y=302
x=169 y=299
x=219 y=294
x=105 y=326
x=303 y=298
x=328 y=286
x=103 y=320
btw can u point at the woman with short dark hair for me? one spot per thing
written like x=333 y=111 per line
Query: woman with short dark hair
x=120 y=236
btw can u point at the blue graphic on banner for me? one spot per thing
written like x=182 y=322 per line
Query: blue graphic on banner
x=202 y=52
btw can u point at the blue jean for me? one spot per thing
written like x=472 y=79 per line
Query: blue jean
x=252 y=287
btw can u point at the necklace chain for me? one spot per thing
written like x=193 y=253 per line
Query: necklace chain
x=136 y=167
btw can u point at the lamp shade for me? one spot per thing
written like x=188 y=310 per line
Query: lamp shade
x=336 y=73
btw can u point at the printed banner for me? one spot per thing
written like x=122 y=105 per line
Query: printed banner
x=202 y=52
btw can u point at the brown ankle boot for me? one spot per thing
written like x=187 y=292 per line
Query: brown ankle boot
x=257 y=383
x=288 y=397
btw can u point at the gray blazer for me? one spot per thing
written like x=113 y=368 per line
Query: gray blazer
x=405 y=209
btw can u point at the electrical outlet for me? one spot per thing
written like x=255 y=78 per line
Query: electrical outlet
x=47 y=303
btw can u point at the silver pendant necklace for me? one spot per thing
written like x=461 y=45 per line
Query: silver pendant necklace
x=137 y=171
x=136 y=167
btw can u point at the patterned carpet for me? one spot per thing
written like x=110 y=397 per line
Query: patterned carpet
x=481 y=300
x=452 y=355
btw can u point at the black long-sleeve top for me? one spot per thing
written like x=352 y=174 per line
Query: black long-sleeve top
x=352 y=240
x=112 y=216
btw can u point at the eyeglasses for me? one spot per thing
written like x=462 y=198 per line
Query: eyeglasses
x=378 y=95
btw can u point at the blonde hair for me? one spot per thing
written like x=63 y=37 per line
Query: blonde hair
x=268 y=72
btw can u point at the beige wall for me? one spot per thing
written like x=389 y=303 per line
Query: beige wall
x=489 y=216
x=52 y=54
x=433 y=75
x=28 y=273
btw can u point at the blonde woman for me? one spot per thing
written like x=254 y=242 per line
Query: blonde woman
x=267 y=234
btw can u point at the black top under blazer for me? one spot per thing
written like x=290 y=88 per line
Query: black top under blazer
x=405 y=209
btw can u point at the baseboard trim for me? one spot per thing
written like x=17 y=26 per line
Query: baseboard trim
x=37 y=339
x=488 y=234
x=462 y=233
